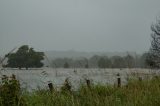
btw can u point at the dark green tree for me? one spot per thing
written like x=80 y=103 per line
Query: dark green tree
x=25 y=57
x=154 y=53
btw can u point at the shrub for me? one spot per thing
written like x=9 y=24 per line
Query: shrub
x=10 y=94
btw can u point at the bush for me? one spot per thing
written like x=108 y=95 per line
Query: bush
x=10 y=94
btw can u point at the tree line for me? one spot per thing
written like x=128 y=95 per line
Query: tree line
x=97 y=61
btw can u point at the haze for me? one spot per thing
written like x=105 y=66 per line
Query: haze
x=83 y=25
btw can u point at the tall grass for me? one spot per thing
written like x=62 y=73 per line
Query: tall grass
x=135 y=93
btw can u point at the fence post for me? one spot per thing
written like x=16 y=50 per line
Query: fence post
x=140 y=78
x=88 y=83
x=50 y=85
x=119 y=80
x=67 y=85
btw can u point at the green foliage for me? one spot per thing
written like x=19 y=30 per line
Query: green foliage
x=10 y=94
x=25 y=57
x=154 y=52
x=136 y=93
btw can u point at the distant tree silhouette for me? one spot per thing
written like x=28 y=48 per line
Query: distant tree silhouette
x=66 y=65
x=129 y=60
x=145 y=60
x=118 y=62
x=104 y=62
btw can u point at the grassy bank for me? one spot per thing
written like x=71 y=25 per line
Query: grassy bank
x=136 y=93
x=145 y=93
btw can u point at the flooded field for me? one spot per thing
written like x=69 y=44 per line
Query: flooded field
x=39 y=78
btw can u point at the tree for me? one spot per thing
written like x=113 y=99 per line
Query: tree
x=25 y=57
x=60 y=62
x=154 y=53
x=104 y=62
x=86 y=63
x=93 y=61
x=66 y=65
x=144 y=60
x=118 y=62
x=129 y=60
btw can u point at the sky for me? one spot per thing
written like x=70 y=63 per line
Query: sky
x=82 y=25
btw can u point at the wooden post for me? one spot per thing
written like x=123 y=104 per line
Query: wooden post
x=119 y=80
x=67 y=85
x=140 y=78
x=50 y=85
x=13 y=77
x=88 y=83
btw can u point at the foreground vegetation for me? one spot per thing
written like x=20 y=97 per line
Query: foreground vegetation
x=135 y=93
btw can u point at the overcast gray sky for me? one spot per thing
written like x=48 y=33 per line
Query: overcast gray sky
x=83 y=25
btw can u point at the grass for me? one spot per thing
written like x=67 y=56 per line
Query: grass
x=135 y=93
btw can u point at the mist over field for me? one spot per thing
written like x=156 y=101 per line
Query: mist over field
x=77 y=54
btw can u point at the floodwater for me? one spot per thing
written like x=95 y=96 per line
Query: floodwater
x=39 y=78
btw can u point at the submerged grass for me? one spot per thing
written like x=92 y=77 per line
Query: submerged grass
x=135 y=93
